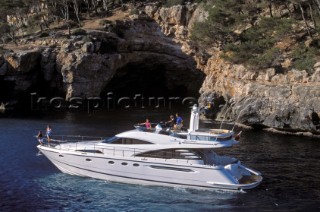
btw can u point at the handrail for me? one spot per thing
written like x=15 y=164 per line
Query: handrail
x=125 y=151
x=116 y=151
x=78 y=136
x=74 y=138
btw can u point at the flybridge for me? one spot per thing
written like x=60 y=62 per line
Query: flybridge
x=217 y=137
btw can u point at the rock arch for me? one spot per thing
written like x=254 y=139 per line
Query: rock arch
x=142 y=57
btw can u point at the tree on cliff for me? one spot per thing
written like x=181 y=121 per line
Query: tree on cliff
x=7 y=31
x=76 y=9
x=8 y=7
x=14 y=8
x=13 y=13
x=250 y=32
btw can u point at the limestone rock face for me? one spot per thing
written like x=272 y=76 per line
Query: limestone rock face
x=83 y=65
x=84 y=75
x=23 y=61
x=287 y=101
x=87 y=67
x=47 y=63
x=17 y=72
x=175 y=21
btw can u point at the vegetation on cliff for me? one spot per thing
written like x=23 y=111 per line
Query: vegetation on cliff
x=20 y=18
x=25 y=17
x=262 y=34
x=259 y=34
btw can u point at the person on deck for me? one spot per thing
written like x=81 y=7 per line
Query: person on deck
x=148 y=124
x=39 y=137
x=48 y=133
x=171 y=122
x=179 y=122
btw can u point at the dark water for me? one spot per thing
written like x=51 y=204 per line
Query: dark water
x=29 y=182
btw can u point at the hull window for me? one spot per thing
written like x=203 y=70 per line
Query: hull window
x=124 y=163
x=111 y=162
x=90 y=151
x=171 y=168
x=135 y=164
x=88 y=159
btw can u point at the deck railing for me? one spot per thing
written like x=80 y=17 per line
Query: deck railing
x=59 y=139
x=120 y=151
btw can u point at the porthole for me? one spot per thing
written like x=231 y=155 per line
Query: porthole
x=111 y=162
x=88 y=159
x=136 y=164
x=124 y=163
x=61 y=156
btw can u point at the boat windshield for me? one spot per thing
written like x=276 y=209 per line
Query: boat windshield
x=119 y=140
x=110 y=140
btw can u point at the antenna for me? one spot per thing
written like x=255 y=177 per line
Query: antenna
x=239 y=116
x=223 y=116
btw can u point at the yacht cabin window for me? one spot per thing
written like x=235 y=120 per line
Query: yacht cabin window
x=209 y=138
x=173 y=154
x=118 y=140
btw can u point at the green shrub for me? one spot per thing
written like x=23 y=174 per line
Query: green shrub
x=256 y=44
x=134 y=12
x=201 y=33
x=244 y=36
x=223 y=18
x=304 y=57
x=79 y=31
x=44 y=34
x=265 y=60
x=2 y=50
x=198 y=1
x=170 y=3
x=87 y=38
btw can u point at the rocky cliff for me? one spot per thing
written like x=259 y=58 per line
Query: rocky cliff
x=261 y=98
x=156 y=42
x=133 y=55
x=287 y=101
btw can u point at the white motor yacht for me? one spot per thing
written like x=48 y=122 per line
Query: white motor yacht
x=153 y=159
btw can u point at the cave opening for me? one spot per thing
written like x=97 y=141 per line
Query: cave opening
x=154 y=80
x=6 y=89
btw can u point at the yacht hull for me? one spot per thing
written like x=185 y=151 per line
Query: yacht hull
x=137 y=170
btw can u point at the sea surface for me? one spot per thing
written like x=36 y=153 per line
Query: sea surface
x=290 y=166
